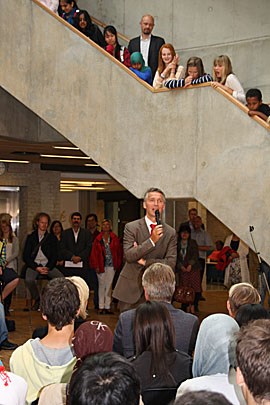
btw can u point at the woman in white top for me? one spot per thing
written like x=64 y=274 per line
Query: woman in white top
x=225 y=79
x=167 y=66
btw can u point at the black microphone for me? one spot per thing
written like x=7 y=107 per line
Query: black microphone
x=157 y=215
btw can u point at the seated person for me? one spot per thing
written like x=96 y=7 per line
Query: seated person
x=157 y=362
x=69 y=10
x=107 y=379
x=253 y=362
x=214 y=359
x=5 y=344
x=83 y=291
x=256 y=106
x=40 y=256
x=121 y=53
x=12 y=388
x=83 y=23
x=9 y=279
x=50 y=360
x=168 y=66
x=139 y=68
x=194 y=74
x=90 y=338
x=202 y=398
x=158 y=282
x=241 y=294
x=250 y=312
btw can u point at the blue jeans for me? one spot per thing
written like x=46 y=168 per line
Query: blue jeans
x=3 y=326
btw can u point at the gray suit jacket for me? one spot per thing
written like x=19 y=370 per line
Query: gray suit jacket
x=129 y=285
x=186 y=329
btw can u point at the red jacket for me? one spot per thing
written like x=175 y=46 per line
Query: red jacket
x=97 y=257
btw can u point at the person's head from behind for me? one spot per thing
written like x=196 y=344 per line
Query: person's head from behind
x=147 y=24
x=241 y=294
x=67 y=5
x=90 y=338
x=83 y=291
x=253 y=360
x=82 y=20
x=222 y=67
x=59 y=303
x=104 y=379
x=194 y=67
x=250 y=312
x=165 y=56
x=202 y=398
x=110 y=36
x=215 y=345
x=154 y=331
x=136 y=60
x=254 y=99
x=158 y=282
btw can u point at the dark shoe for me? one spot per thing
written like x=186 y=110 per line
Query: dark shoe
x=108 y=312
x=6 y=345
x=202 y=298
x=102 y=312
x=35 y=306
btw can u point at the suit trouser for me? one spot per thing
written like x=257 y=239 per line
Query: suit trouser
x=32 y=275
x=105 y=287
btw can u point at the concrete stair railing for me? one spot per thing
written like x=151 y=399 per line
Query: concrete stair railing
x=191 y=143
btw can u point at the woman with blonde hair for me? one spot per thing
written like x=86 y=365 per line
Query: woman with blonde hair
x=167 y=66
x=225 y=79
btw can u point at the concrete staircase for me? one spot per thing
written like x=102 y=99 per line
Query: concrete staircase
x=193 y=143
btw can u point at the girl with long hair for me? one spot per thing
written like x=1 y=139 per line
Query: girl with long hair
x=225 y=79
x=157 y=362
x=83 y=23
x=194 y=74
x=168 y=66
x=121 y=53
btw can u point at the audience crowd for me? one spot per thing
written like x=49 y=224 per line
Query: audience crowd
x=158 y=353
x=150 y=51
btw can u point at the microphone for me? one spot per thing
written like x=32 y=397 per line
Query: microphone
x=157 y=215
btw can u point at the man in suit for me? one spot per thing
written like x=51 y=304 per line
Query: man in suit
x=148 y=44
x=145 y=243
x=40 y=256
x=159 y=284
x=75 y=248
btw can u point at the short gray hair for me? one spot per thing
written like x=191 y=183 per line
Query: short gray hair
x=159 y=282
x=154 y=190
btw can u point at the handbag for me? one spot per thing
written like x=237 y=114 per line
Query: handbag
x=184 y=295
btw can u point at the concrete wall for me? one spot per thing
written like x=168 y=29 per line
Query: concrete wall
x=239 y=28
x=193 y=143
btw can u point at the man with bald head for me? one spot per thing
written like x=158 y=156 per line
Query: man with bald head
x=147 y=43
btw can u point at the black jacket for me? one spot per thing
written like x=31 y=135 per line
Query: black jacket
x=48 y=247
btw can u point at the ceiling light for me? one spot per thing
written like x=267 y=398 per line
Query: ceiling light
x=14 y=161
x=91 y=164
x=66 y=147
x=65 y=157
x=81 y=188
